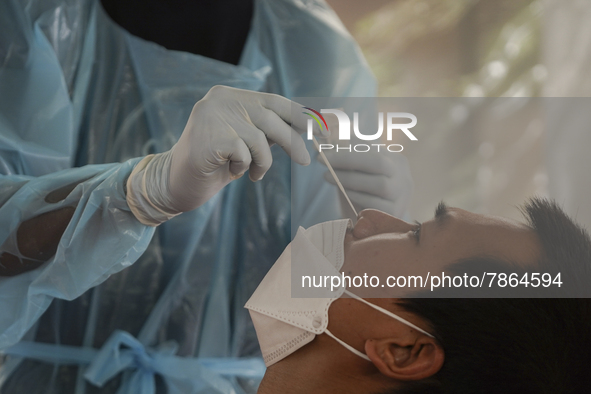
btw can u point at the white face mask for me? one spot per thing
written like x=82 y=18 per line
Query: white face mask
x=285 y=324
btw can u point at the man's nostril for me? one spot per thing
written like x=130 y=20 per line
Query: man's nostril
x=363 y=228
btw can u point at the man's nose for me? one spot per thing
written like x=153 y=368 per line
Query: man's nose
x=373 y=222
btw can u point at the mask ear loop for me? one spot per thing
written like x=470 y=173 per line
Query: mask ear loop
x=346 y=345
x=386 y=312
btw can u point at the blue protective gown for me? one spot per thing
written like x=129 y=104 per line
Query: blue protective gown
x=122 y=307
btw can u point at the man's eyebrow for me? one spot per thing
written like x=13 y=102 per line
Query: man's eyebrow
x=441 y=212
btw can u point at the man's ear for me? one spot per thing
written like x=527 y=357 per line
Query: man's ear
x=413 y=358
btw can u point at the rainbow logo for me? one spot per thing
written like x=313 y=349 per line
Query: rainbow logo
x=316 y=118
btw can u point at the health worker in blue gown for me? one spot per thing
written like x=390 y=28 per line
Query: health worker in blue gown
x=130 y=236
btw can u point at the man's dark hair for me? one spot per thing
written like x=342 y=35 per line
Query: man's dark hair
x=518 y=346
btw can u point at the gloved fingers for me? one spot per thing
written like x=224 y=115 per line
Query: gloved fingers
x=277 y=131
x=377 y=185
x=369 y=163
x=290 y=112
x=239 y=157
x=258 y=146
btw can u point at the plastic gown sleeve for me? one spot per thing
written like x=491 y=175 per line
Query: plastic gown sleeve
x=102 y=238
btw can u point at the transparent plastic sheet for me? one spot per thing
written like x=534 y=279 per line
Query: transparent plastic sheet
x=99 y=95
x=98 y=200
x=123 y=351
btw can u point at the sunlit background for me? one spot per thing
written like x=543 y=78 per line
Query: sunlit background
x=487 y=48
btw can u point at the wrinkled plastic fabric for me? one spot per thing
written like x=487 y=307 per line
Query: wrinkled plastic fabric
x=98 y=201
x=78 y=92
x=122 y=351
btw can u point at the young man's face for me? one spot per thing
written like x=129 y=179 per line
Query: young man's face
x=383 y=245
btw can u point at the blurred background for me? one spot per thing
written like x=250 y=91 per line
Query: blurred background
x=524 y=49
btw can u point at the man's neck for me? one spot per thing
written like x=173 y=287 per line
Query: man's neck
x=326 y=372
x=300 y=379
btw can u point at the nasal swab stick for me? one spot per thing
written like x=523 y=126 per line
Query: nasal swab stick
x=334 y=175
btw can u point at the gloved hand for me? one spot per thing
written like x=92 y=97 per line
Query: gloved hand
x=372 y=180
x=229 y=131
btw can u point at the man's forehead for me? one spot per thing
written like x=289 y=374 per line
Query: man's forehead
x=495 y=235
x=483 y=219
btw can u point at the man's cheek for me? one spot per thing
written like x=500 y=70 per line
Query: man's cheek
x=377 y=261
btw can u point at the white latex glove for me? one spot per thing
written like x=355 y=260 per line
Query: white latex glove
x=372 y=180
x=229 y=131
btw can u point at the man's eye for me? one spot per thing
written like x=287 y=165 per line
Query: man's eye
x=417 y=231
